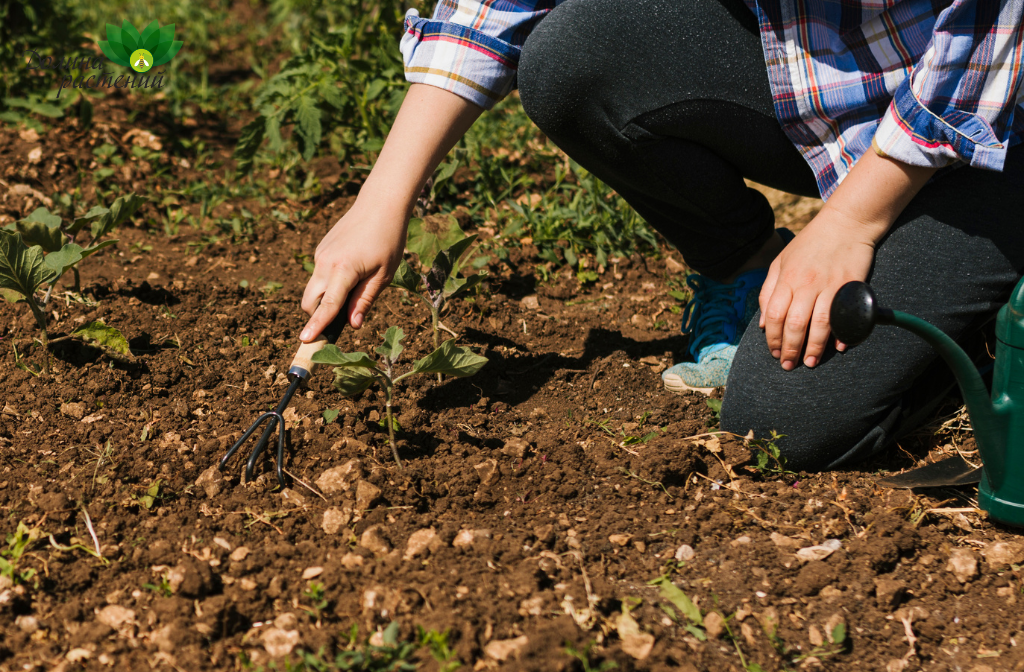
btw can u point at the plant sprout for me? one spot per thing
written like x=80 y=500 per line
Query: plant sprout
x=38 y=250
x=354 y=372
x=440 y=245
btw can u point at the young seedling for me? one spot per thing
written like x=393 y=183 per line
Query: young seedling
x=440 y=248
x=38 y=250
x=354 y=372
x=10 y=557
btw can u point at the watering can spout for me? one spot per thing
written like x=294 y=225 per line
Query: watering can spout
x=854 y=314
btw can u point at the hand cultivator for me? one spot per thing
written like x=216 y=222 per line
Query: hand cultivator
x=301 y=366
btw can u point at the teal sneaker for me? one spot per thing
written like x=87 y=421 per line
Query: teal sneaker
x=715 y=318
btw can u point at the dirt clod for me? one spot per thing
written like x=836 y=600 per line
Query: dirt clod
x=963 y=564
x=366 y=495
x=335 y=519
x=1003 y=553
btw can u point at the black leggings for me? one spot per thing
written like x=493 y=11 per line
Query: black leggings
x=669 y=103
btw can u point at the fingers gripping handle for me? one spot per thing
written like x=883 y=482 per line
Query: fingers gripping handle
x=302 y=363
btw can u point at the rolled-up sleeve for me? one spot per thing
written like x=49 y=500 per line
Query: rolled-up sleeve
x=959 y=100
x=470 y=47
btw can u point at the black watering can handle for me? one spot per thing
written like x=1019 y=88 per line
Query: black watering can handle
x=855 y=312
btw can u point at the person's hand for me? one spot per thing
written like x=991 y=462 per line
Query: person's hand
x=354 y=262
x=797 y=295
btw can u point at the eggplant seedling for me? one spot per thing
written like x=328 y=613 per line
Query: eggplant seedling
x=354 y=372
x=441 y=283
x=39 y=249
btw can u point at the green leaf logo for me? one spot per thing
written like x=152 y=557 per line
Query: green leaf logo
x=140 y=51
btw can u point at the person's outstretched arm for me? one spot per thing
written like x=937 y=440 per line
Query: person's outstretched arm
x=357 y=258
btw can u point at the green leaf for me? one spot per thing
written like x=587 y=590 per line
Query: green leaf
x=430 y=235
x=307 y=116
x=41 y=228
x=696 y=632
x=249 y=143
x=63 y=259
x=330 y=415
x=329 y=91
x=95 y=212
x=459 y=286
x=165 y=39
x=671 y=592
x=11 y=296
x=21 y=267
x=330 y=354
x=120 y=211
x=839 y=633
x=392 y=347
x=458 y=249
x=406 y=278
x=450 y=360
x=715 y=405
x=89 y=251
x=352 y=381
x=108 y=339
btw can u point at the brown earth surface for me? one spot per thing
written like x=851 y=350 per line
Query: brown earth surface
x=534 y=509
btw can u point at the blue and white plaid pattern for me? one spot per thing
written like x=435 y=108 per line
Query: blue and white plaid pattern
x=927 y=82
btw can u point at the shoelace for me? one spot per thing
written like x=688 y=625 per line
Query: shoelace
x=710 y=316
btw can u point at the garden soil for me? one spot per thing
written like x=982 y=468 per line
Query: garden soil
x=539 y=502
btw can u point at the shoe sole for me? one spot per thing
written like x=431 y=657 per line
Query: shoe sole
x=683 y=388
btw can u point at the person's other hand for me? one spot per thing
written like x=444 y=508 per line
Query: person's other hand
x=354 y=262
x=797 y=295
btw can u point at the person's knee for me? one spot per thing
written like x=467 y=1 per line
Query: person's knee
x=558 y=93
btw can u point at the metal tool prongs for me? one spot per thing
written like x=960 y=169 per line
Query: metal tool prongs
x=300 y=369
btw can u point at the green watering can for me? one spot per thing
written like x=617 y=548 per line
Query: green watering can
x=998 y=422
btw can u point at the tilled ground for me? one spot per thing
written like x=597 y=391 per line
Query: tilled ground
x=539 y=500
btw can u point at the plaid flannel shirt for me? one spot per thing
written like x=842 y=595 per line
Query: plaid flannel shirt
x=927 y=82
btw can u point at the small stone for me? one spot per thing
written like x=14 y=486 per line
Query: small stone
x=819 y=552
x=78 y=655
x=635 y=643
x=419 y=542
x=673 y=266
x=311 y=573
x=1004 y=553
x=335 y=519
x=912 y=614
x=620 y=539
x=530 y=302
x=35 y=155
x=74 y=409
x=373 y=540
x=239 y=554
x=366 y=494
x=286 y=621
x=814 y=636
x=293 y=497
x=545 y=534
x=516 y=447
x=279 y=643
x=29 y=135
x=714 y=624
x=351 y=561
x=963 y=564
x=487 y=471
x=27 y=624
x=640 y=546
x=533 y=606
x=223 y=543
x=685 y=553
x=247 y=584
x=467 y=538
x=211 y=481
x=164 y=638
x=783 y=541
x=340 y=479
x=740 y=541
x=503 y=649
x=748 y=634
x=115 y=616
x=888 y=593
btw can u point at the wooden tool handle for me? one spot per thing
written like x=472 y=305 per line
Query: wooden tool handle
x=304 y=357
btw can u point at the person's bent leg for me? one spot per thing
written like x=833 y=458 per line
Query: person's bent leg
x=668 y=103
x=952 y=258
